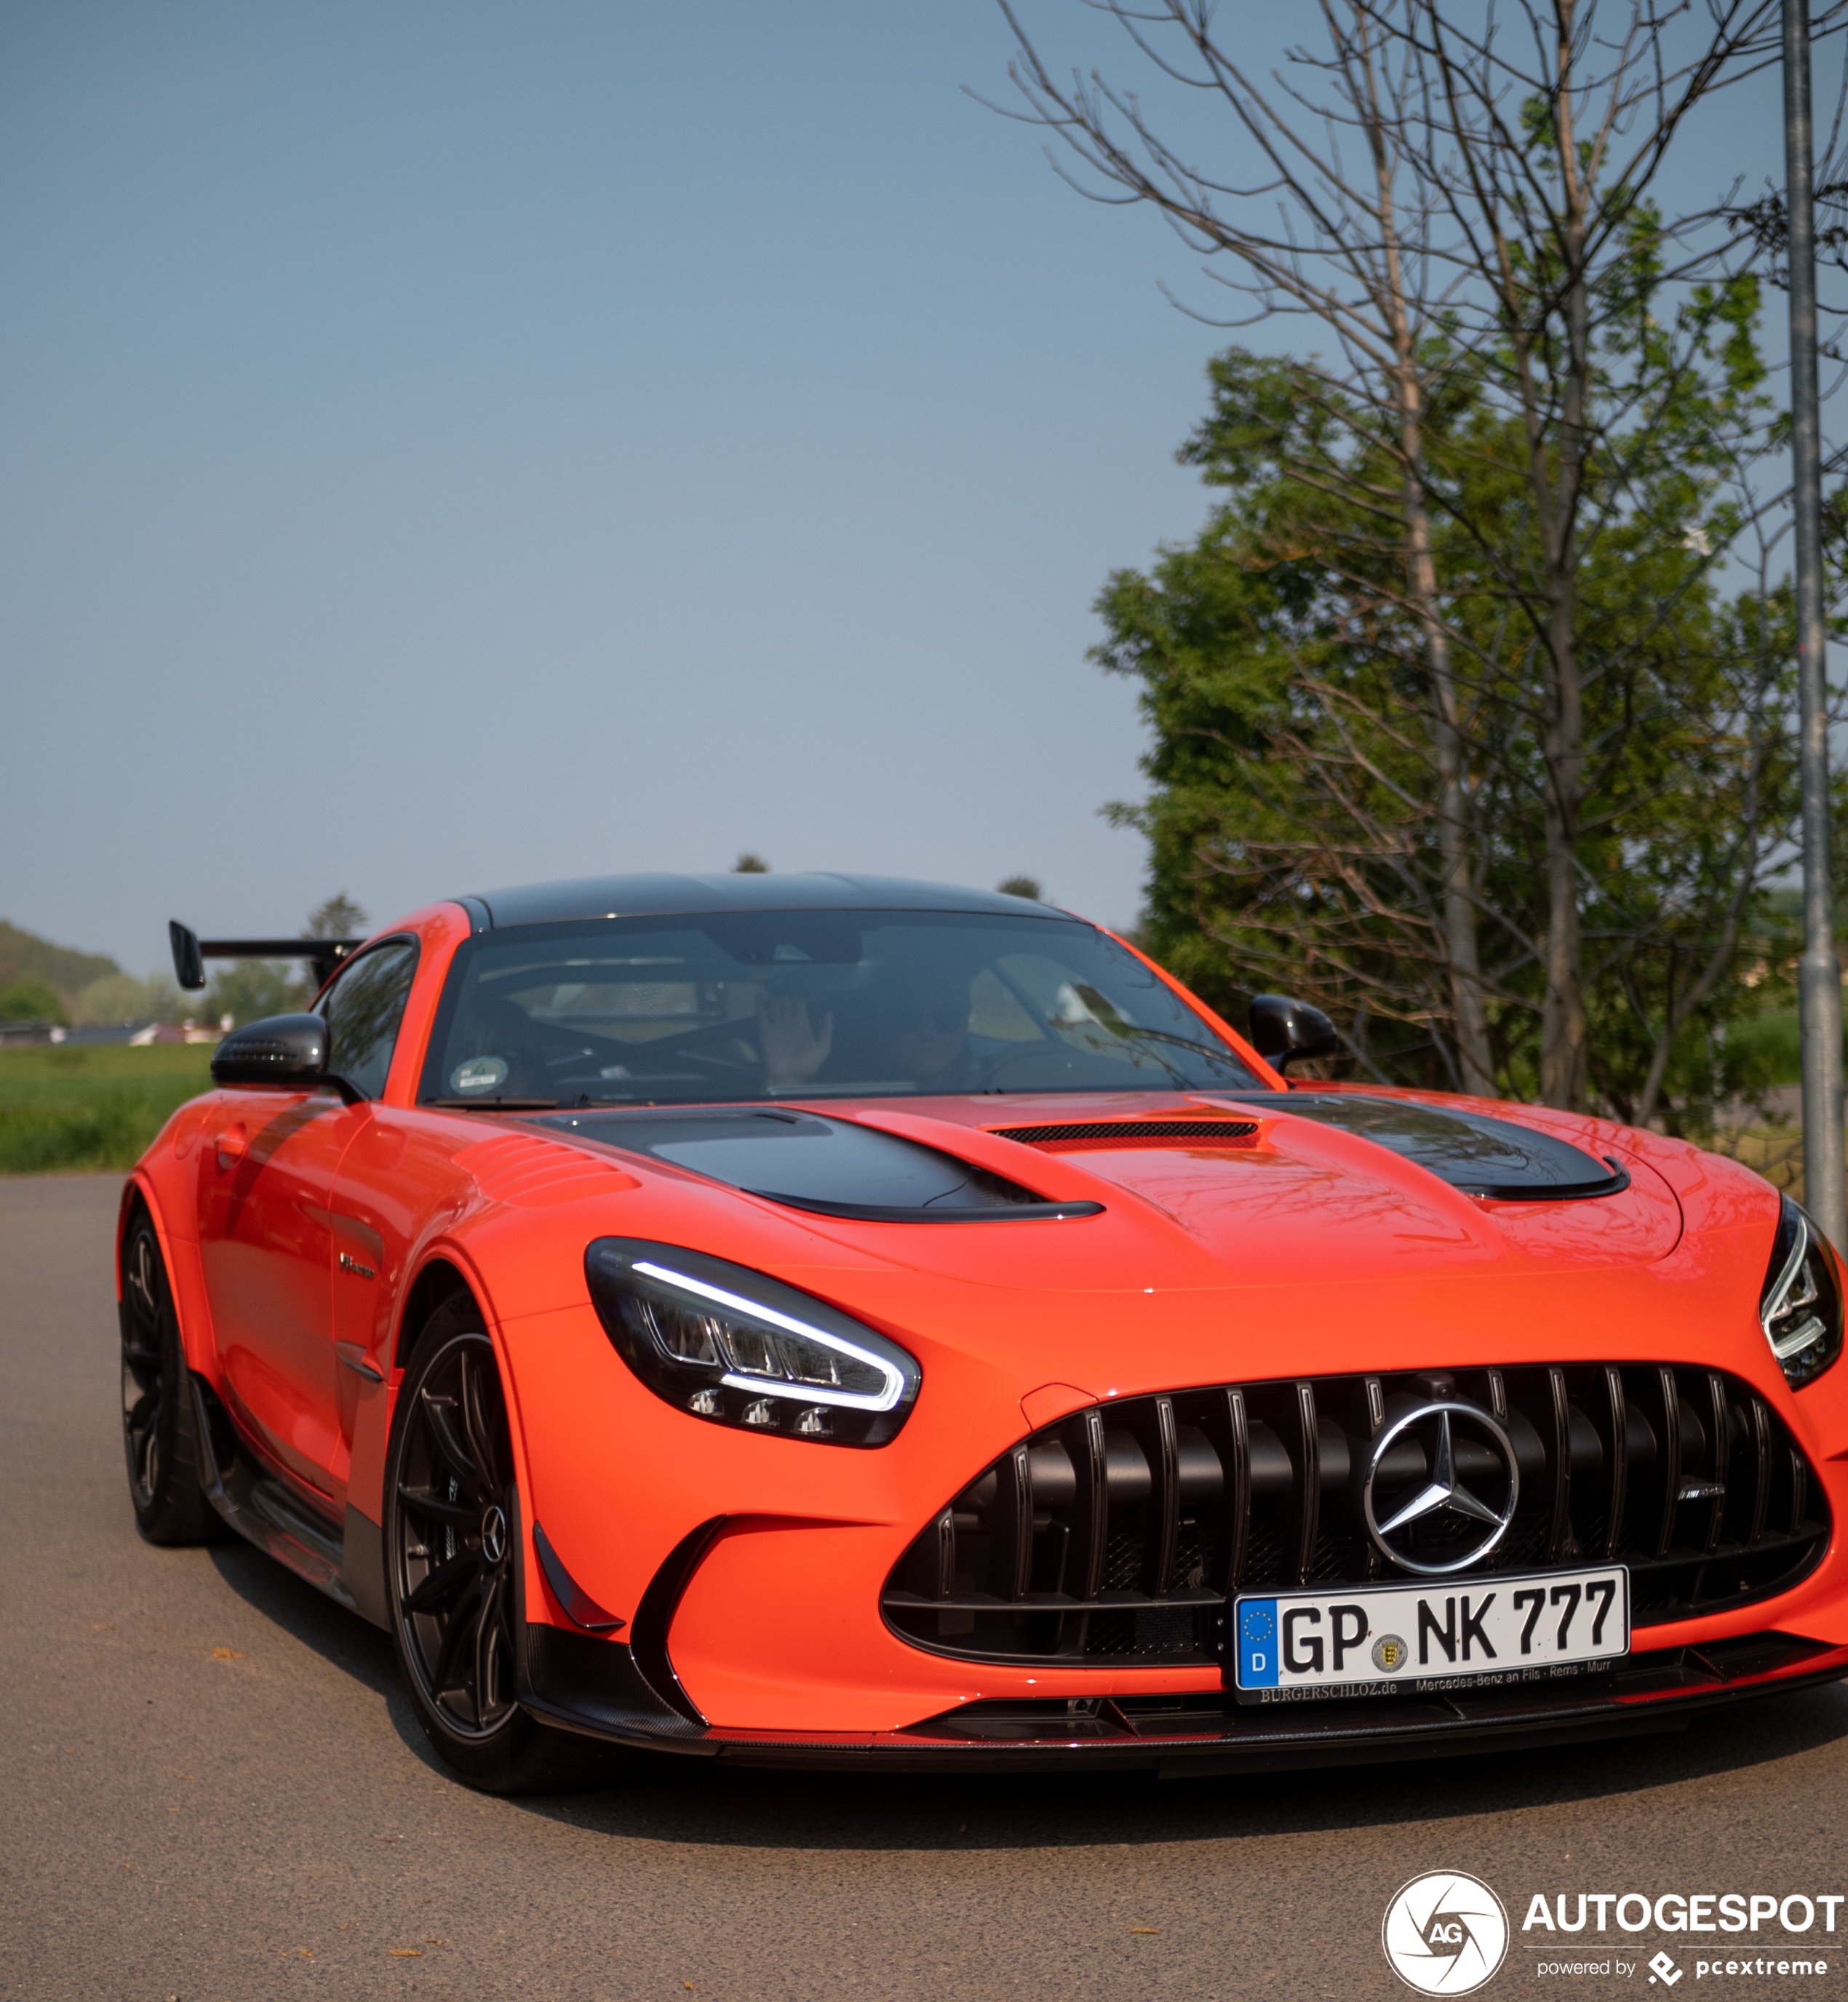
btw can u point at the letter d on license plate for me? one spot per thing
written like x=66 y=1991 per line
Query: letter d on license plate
x=1498 y=1627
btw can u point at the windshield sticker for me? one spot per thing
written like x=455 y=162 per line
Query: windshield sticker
x=478 y=1074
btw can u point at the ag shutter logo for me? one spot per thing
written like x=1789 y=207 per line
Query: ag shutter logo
x=1445 y=1933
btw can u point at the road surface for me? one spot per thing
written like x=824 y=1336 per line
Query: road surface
x=211 y=1789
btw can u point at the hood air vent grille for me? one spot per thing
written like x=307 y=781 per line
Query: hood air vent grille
x=1109 y=1132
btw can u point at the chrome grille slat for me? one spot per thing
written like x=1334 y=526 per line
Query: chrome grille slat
x=1121 y=1534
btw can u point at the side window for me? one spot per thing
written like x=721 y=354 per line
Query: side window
x=363 y=1008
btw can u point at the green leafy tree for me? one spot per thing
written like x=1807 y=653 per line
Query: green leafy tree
x=1021 y=886
x=119 y=998
x=249 y=989
x=1296 y=817
x=27 y=998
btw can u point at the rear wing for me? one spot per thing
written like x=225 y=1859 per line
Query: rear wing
x=190 y=952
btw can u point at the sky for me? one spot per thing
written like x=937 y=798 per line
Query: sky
x=449 y=445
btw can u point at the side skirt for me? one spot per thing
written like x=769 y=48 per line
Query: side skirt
x=347 y=1564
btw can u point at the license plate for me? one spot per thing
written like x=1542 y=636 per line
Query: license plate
x=1484 y=1631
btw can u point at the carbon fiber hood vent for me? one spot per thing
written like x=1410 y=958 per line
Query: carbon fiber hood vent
x=831 y=1167
x=1471 y=1151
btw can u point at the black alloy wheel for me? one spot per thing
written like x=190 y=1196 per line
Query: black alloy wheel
x=452 y=1549
x=159 y=1421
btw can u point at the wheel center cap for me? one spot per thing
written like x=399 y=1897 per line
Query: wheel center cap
x=493 y=1535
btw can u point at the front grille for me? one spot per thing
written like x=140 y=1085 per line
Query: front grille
x=1091 y=1133
x=1122 y=1533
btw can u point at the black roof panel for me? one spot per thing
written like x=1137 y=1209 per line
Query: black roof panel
x=660 y=896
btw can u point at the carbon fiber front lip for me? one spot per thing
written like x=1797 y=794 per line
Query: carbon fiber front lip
x=1659 y=1692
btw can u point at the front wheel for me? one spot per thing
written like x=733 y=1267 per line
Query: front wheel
x=159 y=1420
x=451 y=1514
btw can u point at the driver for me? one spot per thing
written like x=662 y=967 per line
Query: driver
x=927 y=1026
x=930 y=1039
x=793 y=1043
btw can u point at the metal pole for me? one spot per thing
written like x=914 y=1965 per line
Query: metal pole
x=1819 y=990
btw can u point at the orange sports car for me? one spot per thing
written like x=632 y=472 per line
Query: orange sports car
x=827 y=1320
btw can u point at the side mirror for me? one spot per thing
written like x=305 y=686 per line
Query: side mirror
x=1283 y=1029
x=286 y=1049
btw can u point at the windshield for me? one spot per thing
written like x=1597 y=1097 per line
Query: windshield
x=809 y=1004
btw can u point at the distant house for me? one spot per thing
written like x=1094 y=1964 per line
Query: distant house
x=30 y=1035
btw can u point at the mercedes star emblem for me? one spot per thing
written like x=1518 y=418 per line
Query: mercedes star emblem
x=1444 y=1491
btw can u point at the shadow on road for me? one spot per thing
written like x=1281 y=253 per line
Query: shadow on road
x=685 y=1800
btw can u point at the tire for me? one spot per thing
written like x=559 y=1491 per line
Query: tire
x=452 y=1518
x=159 y=1420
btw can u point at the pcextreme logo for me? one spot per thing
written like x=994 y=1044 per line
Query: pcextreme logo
x=1445 y=1933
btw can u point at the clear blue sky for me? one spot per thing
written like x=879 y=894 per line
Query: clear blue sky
x=443 y=445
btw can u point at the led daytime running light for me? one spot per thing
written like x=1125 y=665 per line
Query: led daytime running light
x=1801 y=1310
x=805 y=1393
x=1806 y=1331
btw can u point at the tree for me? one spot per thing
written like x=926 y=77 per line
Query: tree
x=339 y=917
x=1460 y=199
x=118 y=998
x=28 y=999
x=250 y=989
x=748 y=864
x=1021 y=886
x=1295 y=815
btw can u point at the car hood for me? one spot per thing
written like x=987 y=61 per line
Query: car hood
x=1074 y=1194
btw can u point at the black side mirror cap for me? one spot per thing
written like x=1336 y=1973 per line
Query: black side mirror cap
x=1283 y=1029
x=284 y=1050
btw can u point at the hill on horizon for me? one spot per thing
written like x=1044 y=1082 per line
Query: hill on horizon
x=24 y=956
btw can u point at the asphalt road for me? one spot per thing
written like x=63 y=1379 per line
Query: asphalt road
x=211 y=1787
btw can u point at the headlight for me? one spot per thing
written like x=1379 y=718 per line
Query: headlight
x=727 y=1345
x=1801 y=1308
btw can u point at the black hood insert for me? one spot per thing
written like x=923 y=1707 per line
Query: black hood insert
x=1473 y=1152
x=831 y=1167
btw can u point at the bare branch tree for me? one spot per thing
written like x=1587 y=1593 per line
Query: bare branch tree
x=1461 y=197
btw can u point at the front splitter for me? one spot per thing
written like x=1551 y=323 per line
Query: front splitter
x=1209 y=1733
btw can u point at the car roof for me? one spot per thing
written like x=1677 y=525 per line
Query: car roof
x=659 y=896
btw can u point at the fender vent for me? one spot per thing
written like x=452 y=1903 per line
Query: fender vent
x=1121 y=1533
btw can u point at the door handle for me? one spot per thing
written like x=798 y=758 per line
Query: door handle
x=231 y=1146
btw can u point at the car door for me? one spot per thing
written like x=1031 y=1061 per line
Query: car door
x=269 y=1162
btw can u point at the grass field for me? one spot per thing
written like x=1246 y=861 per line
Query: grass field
x=65 y=1111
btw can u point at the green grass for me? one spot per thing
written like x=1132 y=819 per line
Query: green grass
x=66 y=1112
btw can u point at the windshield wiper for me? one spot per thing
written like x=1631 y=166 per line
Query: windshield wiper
x=492 y=1104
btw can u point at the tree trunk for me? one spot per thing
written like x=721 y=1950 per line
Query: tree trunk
x=1465 y=966
x=1463 y=963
